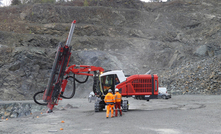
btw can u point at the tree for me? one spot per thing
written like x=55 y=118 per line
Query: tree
x=16 y=2
x=85 y=3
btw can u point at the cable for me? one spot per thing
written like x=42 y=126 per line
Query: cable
x=36 y=100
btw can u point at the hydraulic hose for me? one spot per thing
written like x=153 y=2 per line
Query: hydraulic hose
x=74 y=86
x=36 y=100
x=65 y=97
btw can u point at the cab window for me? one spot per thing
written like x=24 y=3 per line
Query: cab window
x=106 y=82
x=109 y=82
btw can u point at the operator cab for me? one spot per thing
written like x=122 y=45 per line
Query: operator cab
x=109 y=82
x=110 y=79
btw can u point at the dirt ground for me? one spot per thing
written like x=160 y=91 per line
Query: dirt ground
x=183 y=114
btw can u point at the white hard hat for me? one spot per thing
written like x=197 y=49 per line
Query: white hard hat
x=109 y=90
x=116 y=90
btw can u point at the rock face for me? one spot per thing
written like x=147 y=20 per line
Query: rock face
x=178 y=40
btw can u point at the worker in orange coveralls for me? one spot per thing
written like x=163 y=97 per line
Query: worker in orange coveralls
x=109 y=100
x=118 y=99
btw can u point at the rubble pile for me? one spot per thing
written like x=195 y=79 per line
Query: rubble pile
x=202 y=77
x=19 y=109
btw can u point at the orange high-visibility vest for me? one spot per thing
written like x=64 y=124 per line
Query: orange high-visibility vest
x=118 y=97
x=109 y=98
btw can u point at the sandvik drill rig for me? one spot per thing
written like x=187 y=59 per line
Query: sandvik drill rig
x=142 y=86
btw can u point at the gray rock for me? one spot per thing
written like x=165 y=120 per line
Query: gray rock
x=14 y=67
x=14 y=115
x=202 y=50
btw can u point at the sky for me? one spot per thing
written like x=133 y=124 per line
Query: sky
x=6 y=2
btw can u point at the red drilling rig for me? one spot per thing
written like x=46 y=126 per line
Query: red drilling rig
x=143 y=86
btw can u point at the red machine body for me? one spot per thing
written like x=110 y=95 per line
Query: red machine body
x=139 y=85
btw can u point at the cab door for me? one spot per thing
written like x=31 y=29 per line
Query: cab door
x=109 y=82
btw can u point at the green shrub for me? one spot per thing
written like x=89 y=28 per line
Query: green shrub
x=85 y=3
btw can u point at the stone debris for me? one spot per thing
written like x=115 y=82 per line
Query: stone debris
x=52 y=130
x=14 y=110
x=202 y=77
x=70 y=106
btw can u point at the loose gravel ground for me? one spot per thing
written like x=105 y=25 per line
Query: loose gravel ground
x=182 y=114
